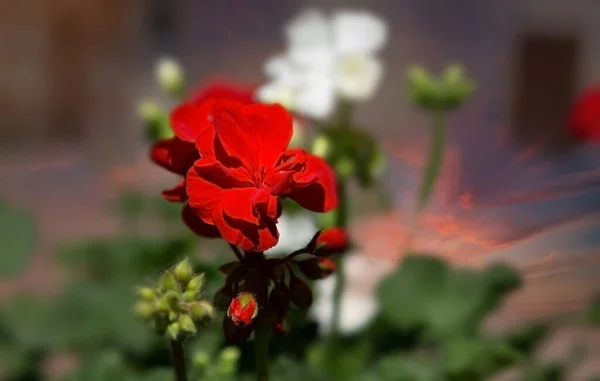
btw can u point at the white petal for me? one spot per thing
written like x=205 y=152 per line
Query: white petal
x=358 y=32
x=309 y=39
x=295 y=231
x=358 y=76
x=316 y=96
x=280 y=68
x=277 y=92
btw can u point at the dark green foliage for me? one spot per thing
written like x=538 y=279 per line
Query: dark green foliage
x=18 y=238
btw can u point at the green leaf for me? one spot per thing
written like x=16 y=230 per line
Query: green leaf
x=526 y=339
x=425 y=293
x=477 y=358
x=18 y=234
x=592 y=316
x=25 y=320
x=404 y=368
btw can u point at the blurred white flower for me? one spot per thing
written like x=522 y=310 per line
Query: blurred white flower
x=295 y=232
x=326 y=58
x=359 y=304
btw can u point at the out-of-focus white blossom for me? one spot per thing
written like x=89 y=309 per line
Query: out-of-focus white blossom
x=295 y=232
x=326 y=58
x=359 y=304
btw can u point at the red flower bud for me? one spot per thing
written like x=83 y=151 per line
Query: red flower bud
x=243 y=309
x=329 y=242
x=279 y=325
x=300 y=293
x=316 y=268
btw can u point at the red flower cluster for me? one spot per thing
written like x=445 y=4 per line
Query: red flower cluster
x=237 y=166
x=584 y=117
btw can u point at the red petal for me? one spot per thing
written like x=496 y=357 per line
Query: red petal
x=174 y=155
x=189 y=120
x=177 y=194
x=584 y=118
x=315 y=187
x=238 y=223
x=211 y=170
x=203 y=195
x=224 y=90
x=257 y=134
x=197 y=225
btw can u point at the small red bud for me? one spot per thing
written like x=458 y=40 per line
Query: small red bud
x=329 y=242
x=243 y=309
x=279 y=326
x=316 y=268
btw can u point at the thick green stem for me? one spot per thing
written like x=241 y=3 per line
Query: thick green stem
x=341 y=221
x=434 y=161
x=178 y=355
x=261 y=347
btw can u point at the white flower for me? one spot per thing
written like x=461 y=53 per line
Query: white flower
x=326 y=58
x=295 y=232
x=359 y=304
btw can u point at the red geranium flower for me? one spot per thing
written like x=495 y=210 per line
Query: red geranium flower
x=178 y=156
x=584 y=118
x=244 y=168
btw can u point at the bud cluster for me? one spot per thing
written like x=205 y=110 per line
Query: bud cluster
x=269 y=286
x=174 y=306
x=447 y=92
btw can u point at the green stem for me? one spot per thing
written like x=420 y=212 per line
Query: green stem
x=434 y=161
x=261 y=347
x=178 y=355
x=341 y=221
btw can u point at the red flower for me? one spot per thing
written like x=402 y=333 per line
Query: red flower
x=178 y=156
x=331 y=241
x=584 y=117
x=245 y=168
x=243 y=309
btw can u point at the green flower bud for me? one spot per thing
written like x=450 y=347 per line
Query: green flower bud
x=167 y=282
x=144 y=310
x=169 y=76
x=172 y=299
x=174 y=331
x=146 y=293
x=183 y=271
x=173 y=315
x=187 y=324
x=201 y=311
x=457 y=88
x=190 y=296
x=196 y=283
x=161 y=306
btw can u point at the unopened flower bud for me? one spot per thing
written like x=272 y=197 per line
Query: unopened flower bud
x=146 y=293
x=196 y=283
x=316 y=268
x=329 y=242
x=169 y=76
x=190 y=296
x=300 y=293
x=457 y=88
x=167 y=282
x=144 y=310
x=172 y=299
x=183 y=271
x=187 y=324
x=173 y=331
x=161 y=306
x=201 y=311
x=243 y=309
x=279 y=326
x=425 y=92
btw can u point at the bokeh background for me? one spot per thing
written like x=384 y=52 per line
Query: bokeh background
x=514 y=187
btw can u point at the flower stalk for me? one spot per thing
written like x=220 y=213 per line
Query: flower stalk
x=261 y=346
x=178 y=356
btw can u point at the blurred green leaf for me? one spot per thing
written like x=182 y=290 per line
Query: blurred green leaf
x=477 y=358
x=592 y=315
x=25 y=318
x=18 y=234
x=425 y=293
x=405 y=368
x=527 y=338
x=551 y=372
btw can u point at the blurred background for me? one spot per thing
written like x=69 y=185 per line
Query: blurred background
x=514 y=187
